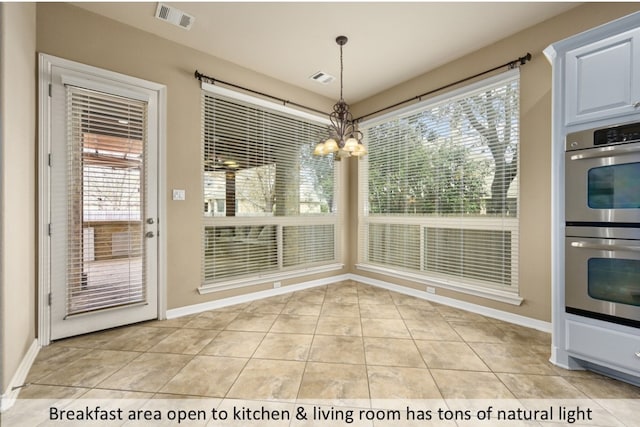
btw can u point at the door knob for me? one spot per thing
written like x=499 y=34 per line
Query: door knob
x=150 y=221
x=148 y=234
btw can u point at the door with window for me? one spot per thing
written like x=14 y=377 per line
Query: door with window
x=103 y=204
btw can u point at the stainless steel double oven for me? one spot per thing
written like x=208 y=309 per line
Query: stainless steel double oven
x=602 y=214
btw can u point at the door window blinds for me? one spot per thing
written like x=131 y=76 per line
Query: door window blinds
x=440 y=189
x=106 y=141
x=269 y=204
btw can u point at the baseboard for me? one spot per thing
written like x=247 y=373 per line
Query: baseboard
x=17 y=382
x=225 y=302
x=474 y=308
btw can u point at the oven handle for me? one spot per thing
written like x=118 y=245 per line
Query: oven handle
x=605 y=247
x=607 y=152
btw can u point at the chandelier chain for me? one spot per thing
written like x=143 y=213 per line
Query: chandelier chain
x=341 y=72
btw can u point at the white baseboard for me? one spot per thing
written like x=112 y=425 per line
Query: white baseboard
x=212 y=305
x=474 y=308
x=9 y=397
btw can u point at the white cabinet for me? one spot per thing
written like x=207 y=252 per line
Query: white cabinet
x=603 y=345
x=602 y=78
x=596 y=82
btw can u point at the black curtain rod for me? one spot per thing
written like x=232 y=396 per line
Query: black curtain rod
x=512 y=64
x=284 y=102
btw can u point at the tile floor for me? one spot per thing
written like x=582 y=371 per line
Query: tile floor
x=342 y=341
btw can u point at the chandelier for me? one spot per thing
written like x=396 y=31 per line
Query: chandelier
x=344 y=137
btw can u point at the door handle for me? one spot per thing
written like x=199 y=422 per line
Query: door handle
x=150 y=221
x=605 y=247
x=148 y=234
x=608 y=152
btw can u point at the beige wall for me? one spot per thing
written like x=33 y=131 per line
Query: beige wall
x=75 y=34
x=535 y=137
x=18 y=193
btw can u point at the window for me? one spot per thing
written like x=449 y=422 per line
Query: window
x=439 y=194
x=269 y=204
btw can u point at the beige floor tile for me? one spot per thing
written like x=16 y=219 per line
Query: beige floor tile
x=390 y=382
x=295 y=324
x=349 y=326
x=178 y=322
x=521 y=335
x=337 y=349
x=266 y=306
x=252 y=322
x=185 y=341
x=268 y=380
x=526 y=386
x=234 y=344
x=456 y=314
x=53 y=358
x=340 y=310
x=450 y=355
x=512 y=358
x=385 y=328
x=392 y=352
x=301 y=308
x=429 y=329
x=212 y=320
x=309 y=296
x=51 y=392
x=417 y=312
x=379 y=311
x=334 y=381
x=341 y=298
x=284 y=346
x=403 y=299
x=322 y=328
x=206 y=376
x=149 y=372
x=90 y=369
x=470 y=385
x=374 y=298
x=94 y=340
x=478 y=331
x=604 y=388
x=137 y=338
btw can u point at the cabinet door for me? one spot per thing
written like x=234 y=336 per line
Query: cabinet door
x=602 y=78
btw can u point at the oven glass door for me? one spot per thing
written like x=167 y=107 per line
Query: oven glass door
x=602 y=184
x=602 y=276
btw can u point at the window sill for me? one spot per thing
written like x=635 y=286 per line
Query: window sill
x=489 y=293
x=265 y=278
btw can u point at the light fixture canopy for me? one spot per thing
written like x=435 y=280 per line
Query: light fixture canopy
x=344 y=137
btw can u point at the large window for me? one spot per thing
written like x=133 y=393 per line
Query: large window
x=269 y=205
x=439 y=195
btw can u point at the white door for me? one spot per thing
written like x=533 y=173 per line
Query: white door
x=103 y=203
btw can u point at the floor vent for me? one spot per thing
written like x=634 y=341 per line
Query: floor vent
x=174 y=16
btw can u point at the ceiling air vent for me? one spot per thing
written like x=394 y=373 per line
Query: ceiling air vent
x=322 y=77
x=174 y=16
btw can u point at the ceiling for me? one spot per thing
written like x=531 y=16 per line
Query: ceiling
x=389 y=42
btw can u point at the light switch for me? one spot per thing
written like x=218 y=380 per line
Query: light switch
x=179 y=194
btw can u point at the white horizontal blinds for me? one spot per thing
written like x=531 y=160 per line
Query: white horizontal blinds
x=233 y=251
x=396 y=245
x=441 y=187
x=308 y=244
x=106 y=140
x=258 y=166
x=265 y=158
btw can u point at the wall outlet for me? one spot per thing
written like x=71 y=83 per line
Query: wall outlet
x=277 y=285
x=431 y=290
